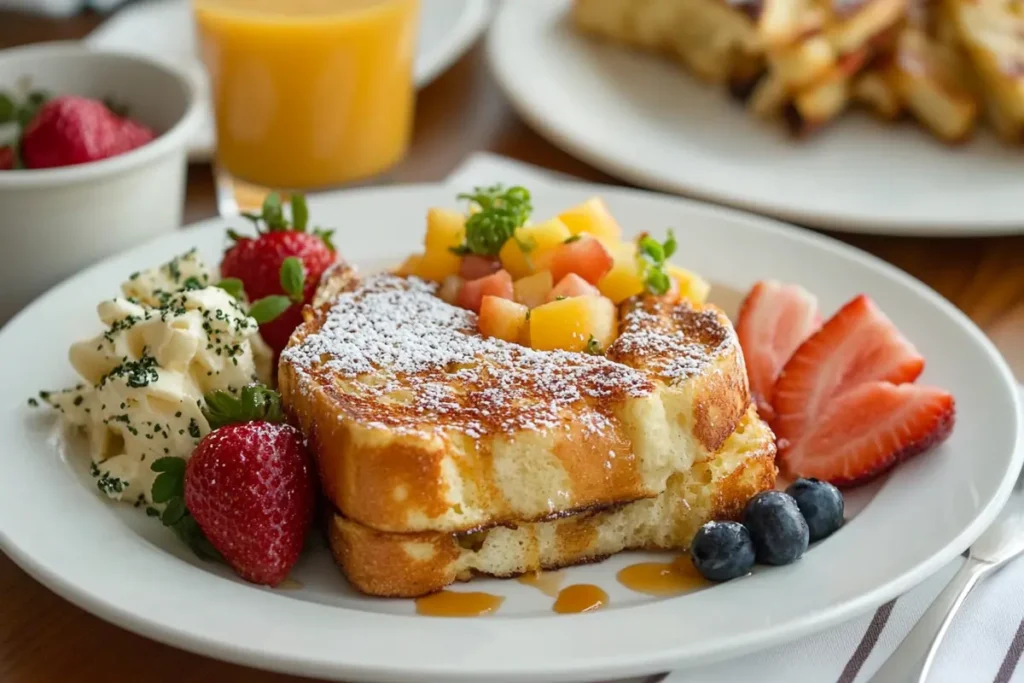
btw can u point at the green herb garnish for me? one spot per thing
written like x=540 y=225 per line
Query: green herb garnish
x=652 y=257
x=233 y=286
x=169 y=488
x=254 y=402
x=593 y=347
x=293 y=278
x=500 y=212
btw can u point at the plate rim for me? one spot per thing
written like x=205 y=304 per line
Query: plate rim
x=560 y=134
x=795 y=628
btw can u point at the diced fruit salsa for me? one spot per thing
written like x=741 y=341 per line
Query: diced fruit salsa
x=553 y=284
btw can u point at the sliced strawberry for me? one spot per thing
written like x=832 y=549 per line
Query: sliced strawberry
x=870 y=429
x=475 y=267
x=472 y=293
x=584 y=256
x=774 y=320
x=572 y=285
x=857 y=345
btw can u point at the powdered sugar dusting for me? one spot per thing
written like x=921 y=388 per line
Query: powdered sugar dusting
x=674 y=343
x=420 y=362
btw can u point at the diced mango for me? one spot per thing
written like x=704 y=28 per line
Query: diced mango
x=692 y=287
x=592 y=217
x=502 y=318
x=570 y=324
x=624 y=279
x=437 y=264
x=445 y=229
x=533 y=290
x=450 y=289
x=540 y=240
x=410 y=265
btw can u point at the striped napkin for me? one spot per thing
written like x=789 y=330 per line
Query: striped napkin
x=983 y=645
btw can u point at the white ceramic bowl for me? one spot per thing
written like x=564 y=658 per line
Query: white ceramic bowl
x=53 y=222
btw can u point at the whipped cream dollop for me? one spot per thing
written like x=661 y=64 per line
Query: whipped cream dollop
x=170 y=339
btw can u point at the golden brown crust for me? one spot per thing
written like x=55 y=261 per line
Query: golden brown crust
x=381 y=563
x=492 y=439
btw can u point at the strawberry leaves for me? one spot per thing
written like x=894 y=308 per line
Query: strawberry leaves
x=293 y=278
x=300 y=212
x=233 y=286
x=254 y=402
x=169 y=489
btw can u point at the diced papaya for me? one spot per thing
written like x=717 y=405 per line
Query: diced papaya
x=692 y=287
x=585 y=256
x=624 y=279
x=499 y=284
x=539 y=241
x=592 y=217
x=410 y=265
x=574 y=324
x=475 y=267
x=533 y=290
x=436 y=265
x=502 y=318
x=572 y=285
x=445 y=229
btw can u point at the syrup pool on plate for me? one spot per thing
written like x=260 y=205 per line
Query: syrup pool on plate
x=663 y=578
x=458 y=604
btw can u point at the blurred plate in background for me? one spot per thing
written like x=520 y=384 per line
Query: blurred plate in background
x=646 y=121
x=163 y=29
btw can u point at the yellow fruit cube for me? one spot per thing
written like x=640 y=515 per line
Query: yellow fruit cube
x=594 y=218
x=571 y=324
x=445 y=229
x=624 y=279
x=502 y=318
x=409 y=265
x=437 y=264
x=540 y=241
x=692 y=287
x=533 y=290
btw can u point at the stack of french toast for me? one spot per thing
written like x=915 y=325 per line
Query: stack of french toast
x=445 y=454
x=947 y=63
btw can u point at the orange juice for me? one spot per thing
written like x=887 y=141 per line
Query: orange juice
x=309 y=93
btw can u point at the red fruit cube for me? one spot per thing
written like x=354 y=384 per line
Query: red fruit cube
x=497 y=284
x=475 y=267
x=572 y=285
x=585 y=257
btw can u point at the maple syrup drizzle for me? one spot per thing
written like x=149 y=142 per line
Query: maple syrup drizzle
x=663 y=578
x=547 y=583
x=456 y=604
x=580 y=597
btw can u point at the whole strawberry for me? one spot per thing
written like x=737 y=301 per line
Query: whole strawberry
x=69 y=130
x=250 y=485
x=263 y=266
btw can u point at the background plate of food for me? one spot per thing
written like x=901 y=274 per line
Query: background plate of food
x=885 y=119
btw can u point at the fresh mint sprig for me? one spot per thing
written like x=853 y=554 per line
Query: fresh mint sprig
x=652 y=257
x=500 y=212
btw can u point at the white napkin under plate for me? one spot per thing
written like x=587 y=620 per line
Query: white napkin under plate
x=984 y=642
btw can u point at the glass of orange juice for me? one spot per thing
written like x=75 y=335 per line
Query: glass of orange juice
x=309 y=93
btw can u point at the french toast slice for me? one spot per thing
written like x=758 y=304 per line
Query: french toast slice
x=410 y=565
x=420 y=424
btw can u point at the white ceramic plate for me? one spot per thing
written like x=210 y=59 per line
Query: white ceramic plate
x=124 y=567
x=644 y=119
x=163 y=29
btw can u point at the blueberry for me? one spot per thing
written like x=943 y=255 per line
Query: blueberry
x=777 y=528
x=722 y=551
x=821 y=504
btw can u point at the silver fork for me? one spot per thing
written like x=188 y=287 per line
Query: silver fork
x=1001 y=542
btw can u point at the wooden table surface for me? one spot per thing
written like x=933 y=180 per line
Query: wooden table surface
x=44 y=638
